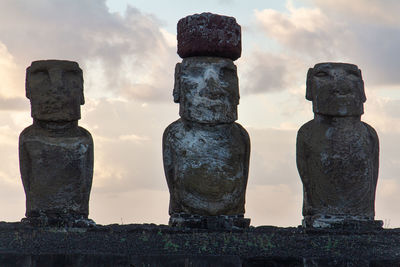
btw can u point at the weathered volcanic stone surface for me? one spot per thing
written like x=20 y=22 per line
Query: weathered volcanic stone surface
x=337 y=153
x=208 y=34
x=56 y=155
x=336 y=89
x=162 y=246
x=205 y=153
x=206 y=167
x=55 y=88
x=207 y=90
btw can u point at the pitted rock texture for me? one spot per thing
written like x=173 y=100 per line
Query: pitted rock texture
x=56 y=156
x=208 y=34
x=337 y=153
x=206 y=168
x=221 y=222
x=207 y=89
x=162 y=246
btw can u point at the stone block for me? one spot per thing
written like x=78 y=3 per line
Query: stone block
x=208 y=34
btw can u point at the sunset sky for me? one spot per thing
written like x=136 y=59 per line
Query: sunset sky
x=127 y=50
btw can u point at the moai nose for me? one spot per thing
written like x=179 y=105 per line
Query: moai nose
x=211 y=90
x=56 y=78
x=342 y=85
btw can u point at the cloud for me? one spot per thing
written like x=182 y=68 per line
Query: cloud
x=11 y=80
x=368 y=11
x=302 y=30
x=128 y=51
x=357 y=32
x=14 y=104
x=267 y=72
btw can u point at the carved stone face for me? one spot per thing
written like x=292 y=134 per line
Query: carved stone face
x=55 y=89
x=207 y=89
x=336 y=89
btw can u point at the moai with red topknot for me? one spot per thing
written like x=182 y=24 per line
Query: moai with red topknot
x=205 y=152
x=55 y=154
x=337 y=153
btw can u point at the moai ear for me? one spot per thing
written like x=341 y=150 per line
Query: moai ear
x=82 y=95
x=177 y=85
x=363 y=97
x=27 y=88
x=82 y=98
x=309 y=95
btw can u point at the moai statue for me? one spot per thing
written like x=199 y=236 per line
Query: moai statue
x=337 y=153
x=55 y=154
x=205 y=153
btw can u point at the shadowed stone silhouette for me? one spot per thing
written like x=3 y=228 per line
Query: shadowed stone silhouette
x=337 y=153
x=205 y=153
x=55 y=154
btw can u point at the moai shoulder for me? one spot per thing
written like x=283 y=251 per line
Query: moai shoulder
x=337 y=153
x=205 y=152
x=56 y=155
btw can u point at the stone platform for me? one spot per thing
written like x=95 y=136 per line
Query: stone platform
x=160 y=245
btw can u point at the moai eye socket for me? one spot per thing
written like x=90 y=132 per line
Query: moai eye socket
x=321 y=74
x=353 y=73
x=196 y=71
x=227 y=72
x=40 y=72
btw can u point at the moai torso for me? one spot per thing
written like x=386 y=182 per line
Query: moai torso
x=205 y=153
x=56 y=155
x=206 y=173
x=337 y=153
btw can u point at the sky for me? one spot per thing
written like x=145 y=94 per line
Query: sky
x=127 y=51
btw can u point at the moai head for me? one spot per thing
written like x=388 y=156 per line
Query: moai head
x=336 y=89
x=207 y=89
x=55 y=89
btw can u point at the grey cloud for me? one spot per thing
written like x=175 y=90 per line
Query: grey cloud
x=126 y=47
x=309 y=34
x=335 y=31
x=14 y=104
x=264 y=73
x=368 y=11
x=269 y=72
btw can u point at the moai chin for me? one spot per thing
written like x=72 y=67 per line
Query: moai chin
x=337 y=153
x=205 y=153
x=55 y=154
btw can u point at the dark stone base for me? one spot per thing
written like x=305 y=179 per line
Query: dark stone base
x=221 y=222
x=59 y=221
x=162 y=246
x=341 y=223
